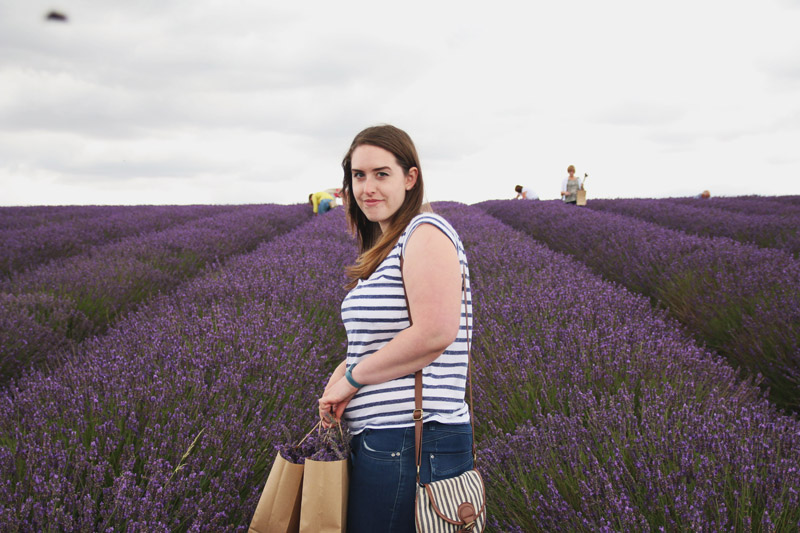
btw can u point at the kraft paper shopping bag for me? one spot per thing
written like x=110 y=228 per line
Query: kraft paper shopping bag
x=278 y=509
x=324 y=502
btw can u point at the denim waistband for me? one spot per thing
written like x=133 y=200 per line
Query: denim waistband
x=432 y=425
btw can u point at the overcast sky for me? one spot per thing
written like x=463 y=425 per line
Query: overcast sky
x=238 y=101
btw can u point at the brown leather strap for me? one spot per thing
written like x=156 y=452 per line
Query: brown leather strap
x=469 y=366
x=418 y=420
x=418 y=413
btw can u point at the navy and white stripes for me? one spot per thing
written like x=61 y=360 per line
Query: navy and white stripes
x=373 y=313
x=437 y=505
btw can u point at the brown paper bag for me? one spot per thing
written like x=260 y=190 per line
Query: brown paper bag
x=278 y=509
x=324 y=507
x=581 y=197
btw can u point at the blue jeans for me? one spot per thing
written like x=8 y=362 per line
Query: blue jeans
x=324 y=206
x=383 y=477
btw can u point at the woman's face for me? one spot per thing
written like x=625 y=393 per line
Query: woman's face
x=379 y=183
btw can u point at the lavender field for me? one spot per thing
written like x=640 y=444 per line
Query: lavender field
x=630 y=375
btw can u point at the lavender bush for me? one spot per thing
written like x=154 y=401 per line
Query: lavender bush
x=741 y=300
x=30 y=216
x=37 y=237
x=794 y=200
x=168 y=422
x=18 y=217
x=770 y=231
x=596 y=412
x=749 y=205
x=33 y=327
x=87 y=292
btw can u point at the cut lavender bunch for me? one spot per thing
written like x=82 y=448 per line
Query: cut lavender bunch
x=332 y=444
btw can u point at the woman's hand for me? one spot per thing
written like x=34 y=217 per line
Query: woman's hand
x=334 y=401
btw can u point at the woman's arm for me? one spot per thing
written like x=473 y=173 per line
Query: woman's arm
x=432 y=275
x=337 y=374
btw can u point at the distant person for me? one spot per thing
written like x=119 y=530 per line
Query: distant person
x=336 y=192
x=322 y=202
x=525 y=193
x=705 y=195
x=570 y=187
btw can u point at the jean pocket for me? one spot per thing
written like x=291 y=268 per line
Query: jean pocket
x=382 y=444
x=447 y=465
x=446 y=441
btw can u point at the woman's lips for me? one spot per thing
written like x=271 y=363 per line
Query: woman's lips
x=372 y=202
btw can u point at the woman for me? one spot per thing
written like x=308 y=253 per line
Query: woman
x=373 y=389
x=570 y=186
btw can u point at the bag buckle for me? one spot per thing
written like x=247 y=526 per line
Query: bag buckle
x=417 y=415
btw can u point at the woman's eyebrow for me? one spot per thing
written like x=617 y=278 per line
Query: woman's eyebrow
x=373 y=170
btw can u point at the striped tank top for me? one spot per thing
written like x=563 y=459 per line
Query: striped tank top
x=373 y=312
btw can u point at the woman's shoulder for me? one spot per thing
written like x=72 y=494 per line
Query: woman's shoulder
x=431 y=218
x=435 y=220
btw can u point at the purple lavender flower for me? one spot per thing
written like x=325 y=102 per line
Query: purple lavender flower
x=30 y=236
x=595 y=411
x=80 y=296
x=324 y=445
x=740 y=300
x=766 y=229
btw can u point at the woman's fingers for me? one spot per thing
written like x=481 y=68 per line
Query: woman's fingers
x=326 y=423
x=326 y=411
x=334 y=401
x=340 y=410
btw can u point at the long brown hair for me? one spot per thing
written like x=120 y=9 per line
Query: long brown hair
x=375 y=245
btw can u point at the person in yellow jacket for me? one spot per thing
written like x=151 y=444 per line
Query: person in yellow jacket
x=322 y=202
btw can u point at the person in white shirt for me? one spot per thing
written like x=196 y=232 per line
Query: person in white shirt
x=526 y=193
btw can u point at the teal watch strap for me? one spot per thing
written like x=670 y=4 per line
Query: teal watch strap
x=348 y=374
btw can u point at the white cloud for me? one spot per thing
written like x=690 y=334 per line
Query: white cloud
x=224 y=98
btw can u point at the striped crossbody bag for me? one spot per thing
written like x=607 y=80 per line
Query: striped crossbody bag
x=457 y=504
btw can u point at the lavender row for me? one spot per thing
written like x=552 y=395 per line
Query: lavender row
x=76 y=229
x=793 y=200
x=789 y=199
x=770 y=231
x=169 y=422
x=28 y=217
x=751 y=205
x=47 y=310
x=598 y=413
x=18 y=217
x=741 y=300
